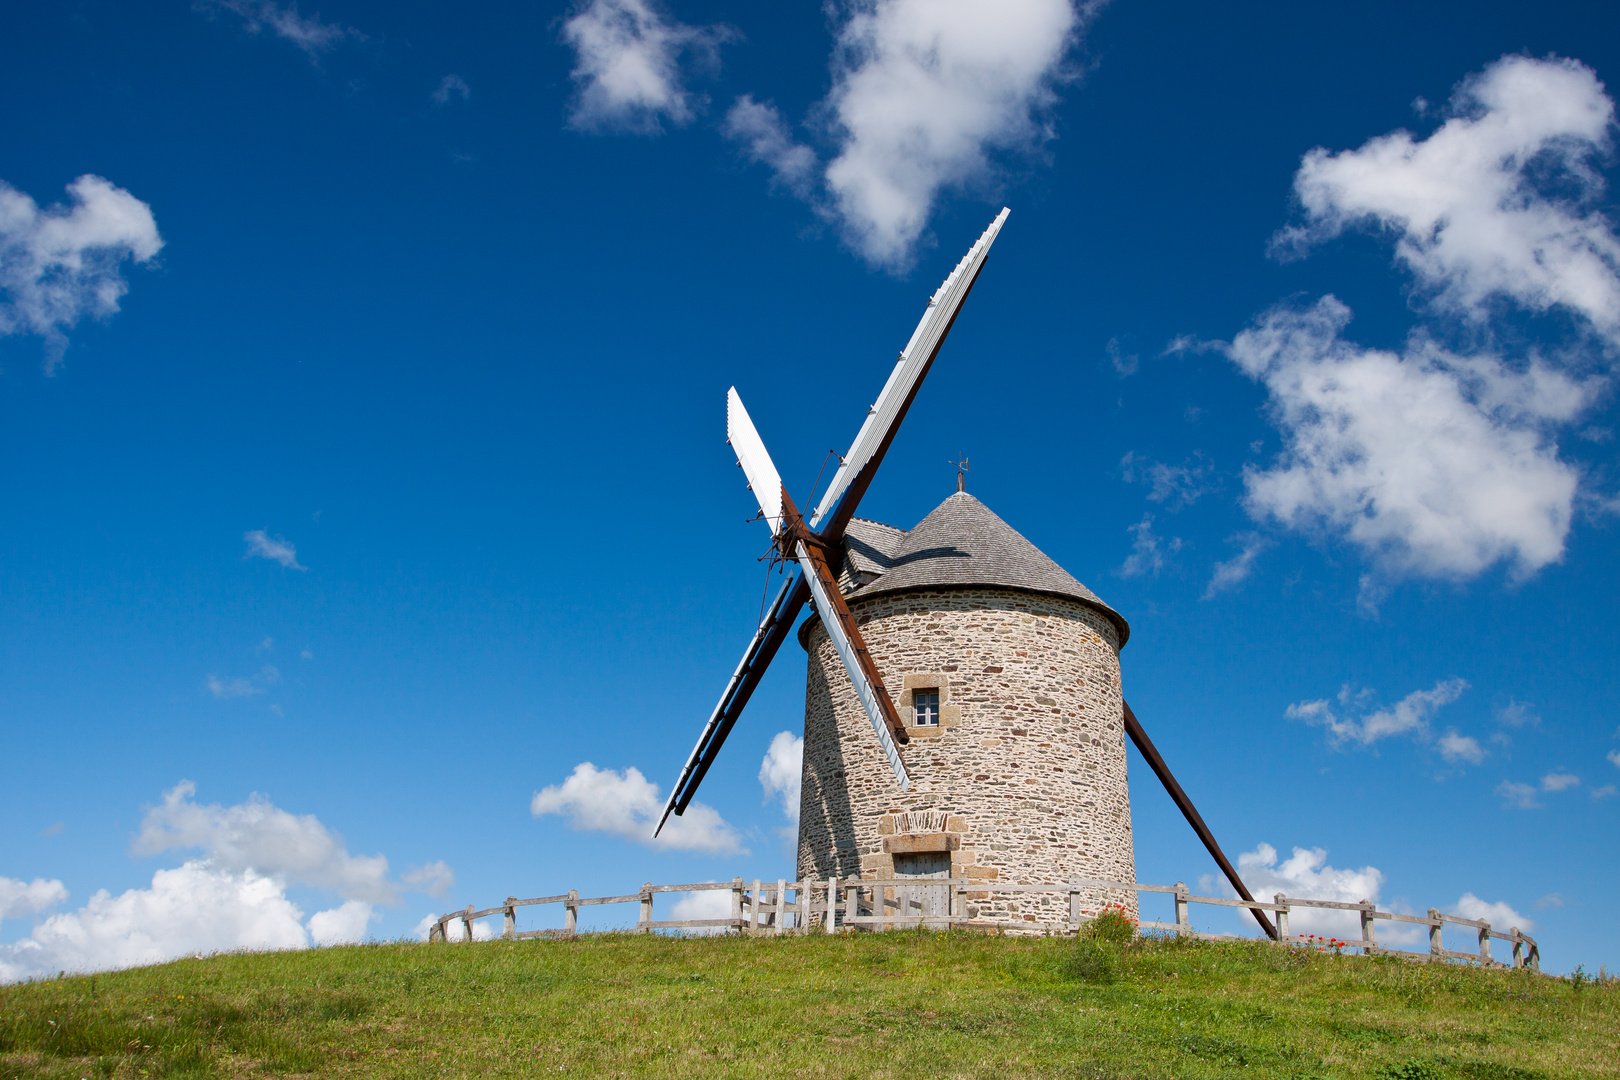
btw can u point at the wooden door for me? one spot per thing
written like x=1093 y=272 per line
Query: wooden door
x=926 y=900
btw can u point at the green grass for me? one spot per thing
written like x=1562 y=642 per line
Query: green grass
x=870 y=1005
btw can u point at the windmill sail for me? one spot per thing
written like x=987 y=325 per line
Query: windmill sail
x=763 y=479
x=872 y=697
x=773 y=630
x=909 y=369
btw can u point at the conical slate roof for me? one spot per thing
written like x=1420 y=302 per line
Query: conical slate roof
x=962 y=544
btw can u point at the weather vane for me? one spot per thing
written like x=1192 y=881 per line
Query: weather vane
x=961 y=473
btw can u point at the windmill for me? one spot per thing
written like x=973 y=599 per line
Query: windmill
x=815 y=546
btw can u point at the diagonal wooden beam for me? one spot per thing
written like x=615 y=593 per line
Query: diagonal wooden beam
x=1133 y=728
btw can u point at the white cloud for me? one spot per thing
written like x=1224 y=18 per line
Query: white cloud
x=195 y=908
x=1519 y=796
x=1607 y=791
x=709 y=904
x=1433 y=463
x=63 y=263
x=454 y=930
x=782 y=771
x=1409 y=716
x=275 y=548
x=1500 y=202
x=341 y=925
x=1236 y=570
x=1517 y=714
x=1307 y=875
x=627 y=68
x=224 y=689
x=627 y=804
x=1614 y=758
x=451 y=86
x=1123 y=363
x=1147 y=550
x=18 y=898
x=923 y=92
x=926 y=94
x=1559 y=781
x=1455 y=747
x=1176 y=486
x=309 y=33
x=764 y=138
x=1500 y=915
x=256 y=835
x=434 y=879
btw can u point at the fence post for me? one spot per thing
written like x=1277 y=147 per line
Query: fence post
x=1183 y=924
x=646 y=908
x=436 y=932
x=1534 y=960
x=466 y=920
x=1282 y=917
x=801 y=899
x=852 y=905
x=737 y=905
x=1518 y=947
x=1485 y=943
x=1369 y=932
x=753 y=910
x=508 y=919
x=571 y=913
x=832 y=904
x=1437 y=951
x=781 y=905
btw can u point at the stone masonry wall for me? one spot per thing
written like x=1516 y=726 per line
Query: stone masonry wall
x=1023 y=781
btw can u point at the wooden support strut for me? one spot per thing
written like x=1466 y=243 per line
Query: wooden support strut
x=1133 y=728
x=795 y=534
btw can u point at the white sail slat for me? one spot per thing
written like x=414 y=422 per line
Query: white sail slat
x=942 y=307
x=756 y=464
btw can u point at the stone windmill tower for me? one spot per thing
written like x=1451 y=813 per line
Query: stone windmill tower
x=1006 y=674
x=1004 y=670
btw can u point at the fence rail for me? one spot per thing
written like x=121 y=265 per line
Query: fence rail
x=863 y=903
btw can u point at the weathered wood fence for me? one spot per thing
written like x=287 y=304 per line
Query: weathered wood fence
x=865 y=903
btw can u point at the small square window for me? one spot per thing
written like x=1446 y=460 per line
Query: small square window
x=925 y=708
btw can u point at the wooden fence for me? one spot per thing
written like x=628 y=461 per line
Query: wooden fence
x=864 y=903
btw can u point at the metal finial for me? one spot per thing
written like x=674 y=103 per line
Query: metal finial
x=961 y=474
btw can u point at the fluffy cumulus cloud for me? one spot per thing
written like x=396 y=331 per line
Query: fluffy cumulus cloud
x=1500 y=202
x=1436 y=461
x=62 y=263
x=631 y=61
x=194 y=908
x=278 y=549
x=307 y=32
x=19 y=898
x=628 y=805
x=926 y=95
x=263 y=837
x=782 y=771
x=1433 y=462
x=1306 y=874
x=1500 y=915
x=1354 y=718
x=435 y=879
x=234 y=896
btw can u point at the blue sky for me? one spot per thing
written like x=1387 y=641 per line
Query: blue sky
x=362 y=370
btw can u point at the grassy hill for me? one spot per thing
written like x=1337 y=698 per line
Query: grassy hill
x=871 y=1005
